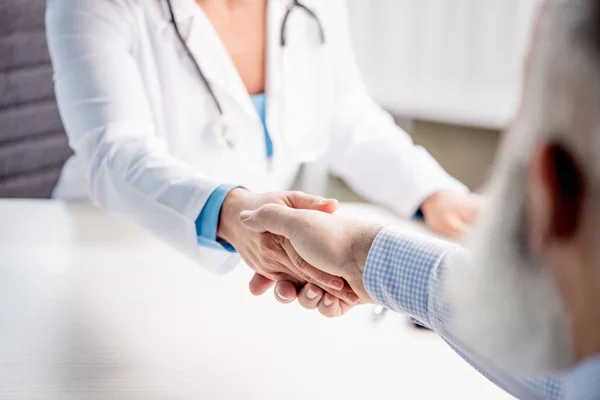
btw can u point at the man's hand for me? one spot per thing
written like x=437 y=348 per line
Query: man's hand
x=334 y=245
x=270 y=255
x=449 y=213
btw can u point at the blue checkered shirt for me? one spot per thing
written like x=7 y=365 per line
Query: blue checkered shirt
x=405 y=273
x=584 y=382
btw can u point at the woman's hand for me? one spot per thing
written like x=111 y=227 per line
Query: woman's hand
x=449 y=213
x=271 y=256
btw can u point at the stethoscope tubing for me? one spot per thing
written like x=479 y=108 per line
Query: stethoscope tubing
x=296 y=4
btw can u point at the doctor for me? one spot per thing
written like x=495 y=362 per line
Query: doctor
x=182 y=113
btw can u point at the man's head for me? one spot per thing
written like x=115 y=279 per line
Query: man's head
x=531 y=298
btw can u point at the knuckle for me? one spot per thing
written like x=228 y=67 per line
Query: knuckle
x=264 y=211
x=280 y=276
x=304 y=277
x=300 y=262
x=268 y=245
x=270 y=208
x=263 y=241
x=266 y=269
x=338 y=294
x=267 y=264
x=293 y=193
x=320 y=277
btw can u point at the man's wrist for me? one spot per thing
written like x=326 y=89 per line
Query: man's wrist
x=361 y=245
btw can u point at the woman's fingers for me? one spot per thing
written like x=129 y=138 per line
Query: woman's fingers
x=260 y=284
x=305 y=201
x=345 y=307
x=460 y=226
x=470 y=207
x=289 y=271
x=330 y=306
x=453 y=225
x=285 y=292
x=310 y=296
x=311 y=292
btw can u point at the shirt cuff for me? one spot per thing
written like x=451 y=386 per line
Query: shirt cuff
x=419 y=216
x=400 y=268
x=208 y=220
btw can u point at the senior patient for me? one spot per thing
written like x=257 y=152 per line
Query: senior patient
x=524 y=306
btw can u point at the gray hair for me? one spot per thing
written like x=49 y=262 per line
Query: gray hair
x=506 y=289
x=562 y=89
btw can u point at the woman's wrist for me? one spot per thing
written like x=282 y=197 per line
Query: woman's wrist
x=429 y=203
x=229 y=216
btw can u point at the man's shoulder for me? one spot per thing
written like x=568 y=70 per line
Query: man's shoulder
x=583 y=382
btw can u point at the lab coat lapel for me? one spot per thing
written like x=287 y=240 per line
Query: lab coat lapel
x=275 y=13
x=209 y=52
x=221 y=73
x=183 y=10
x=278 y=83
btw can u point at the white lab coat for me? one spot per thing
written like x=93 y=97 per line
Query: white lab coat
x=140 y=120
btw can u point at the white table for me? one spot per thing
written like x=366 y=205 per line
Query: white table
x=91 y=307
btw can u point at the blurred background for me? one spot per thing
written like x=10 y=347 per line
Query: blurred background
x=449 y=70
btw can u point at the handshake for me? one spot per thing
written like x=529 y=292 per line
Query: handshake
x=293 y=241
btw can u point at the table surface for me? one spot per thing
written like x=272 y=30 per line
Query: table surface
x=93 y=307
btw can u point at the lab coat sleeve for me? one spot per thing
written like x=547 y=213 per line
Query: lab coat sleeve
x=106 y=113
x=369 y=151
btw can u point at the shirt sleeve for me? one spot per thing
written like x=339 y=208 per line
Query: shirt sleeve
x=366 y=143
x=208 y=220
x=405 y=273
x=583 y=383
x=399 y=268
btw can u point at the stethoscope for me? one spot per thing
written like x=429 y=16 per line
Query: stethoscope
x=221 y=127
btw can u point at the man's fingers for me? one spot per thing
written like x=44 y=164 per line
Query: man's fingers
x=259 y=284
x=273 y=218
x=305 y=201
x=310 y=296
x=310 y=273
x=329 y=306
x=317 y=280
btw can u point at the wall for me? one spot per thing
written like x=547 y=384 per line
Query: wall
x=451 y=61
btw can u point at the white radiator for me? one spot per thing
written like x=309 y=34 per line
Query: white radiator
x=455 y=61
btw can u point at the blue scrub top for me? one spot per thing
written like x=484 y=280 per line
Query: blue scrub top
x=259 y=101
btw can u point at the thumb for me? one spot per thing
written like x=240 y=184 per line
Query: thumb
x=305 y=201
x=259 y=284
x=274 y=218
